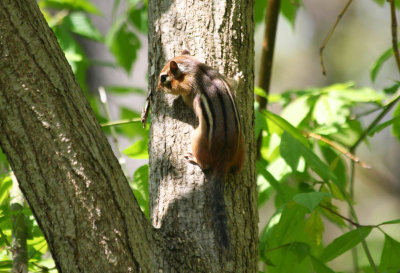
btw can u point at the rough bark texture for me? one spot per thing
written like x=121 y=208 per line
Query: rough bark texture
x=63 y=162
x=220 y=33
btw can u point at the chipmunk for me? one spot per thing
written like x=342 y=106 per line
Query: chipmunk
x=218 y=141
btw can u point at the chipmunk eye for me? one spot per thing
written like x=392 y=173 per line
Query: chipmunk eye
x=163 y=78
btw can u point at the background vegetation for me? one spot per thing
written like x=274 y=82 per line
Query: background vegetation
x=309 y=137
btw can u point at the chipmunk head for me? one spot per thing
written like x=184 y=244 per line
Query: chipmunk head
x=176 y=76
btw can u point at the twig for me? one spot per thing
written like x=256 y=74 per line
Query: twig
x=326 y=40
x=120 y=122
x=267 y=54
x=146 y=108
x=337 y=147
x=341 y=216
x=278 y=247
x=394 y=33
x=354 y=252
x=385 y=110
x=363 y=241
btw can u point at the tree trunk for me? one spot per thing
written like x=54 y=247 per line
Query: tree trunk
x=219 y=33
x=63 y=162
x=69 y=175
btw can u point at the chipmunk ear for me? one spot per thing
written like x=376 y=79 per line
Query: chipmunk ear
x=185 y=52
x=173 y=67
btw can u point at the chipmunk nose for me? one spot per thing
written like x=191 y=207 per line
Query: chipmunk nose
x=163 y=78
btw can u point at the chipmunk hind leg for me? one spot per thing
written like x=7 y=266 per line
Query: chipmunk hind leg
x=200 y=154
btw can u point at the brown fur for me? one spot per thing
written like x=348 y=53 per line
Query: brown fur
x=226 y=151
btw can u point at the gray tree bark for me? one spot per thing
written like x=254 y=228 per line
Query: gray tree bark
x=219 y=33
x=63 y=162
x=67 y=170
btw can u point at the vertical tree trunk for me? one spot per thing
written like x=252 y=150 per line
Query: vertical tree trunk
x=219 y=33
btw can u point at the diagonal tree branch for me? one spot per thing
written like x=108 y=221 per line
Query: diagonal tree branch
x=60 y=156
x=329 y=35
x=394 y=33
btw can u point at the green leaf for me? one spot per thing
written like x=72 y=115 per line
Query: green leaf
x=300 y=249
x=73 y=52
x=335 y=161
x=284 y=125
x=260 y=7
x=269 y=228
x=133 y=129
x=328 y=111
x=396 y=124
x=138 y=150
x=310 y=200
x=82 y=5
x=314 y=227
x=391 y=89
x=343 y=243
x=391 y=222
x=289 y=10
x=5 y=186
x=260 y=122
x=124 y=44
x=80 y=23
x=311 y=158
x=272 y=181
x=380 y=2
x=349 y=133
x=383 y=125
x=319 y=266
x=297 y=110
x=260 y=92
x=380 y=61
x=290 y=226
x=390 y=261
x=141 y=188
x=357 y=95
x=282 y=235
x=289 y=151
x=334 y=218
x=138 y=17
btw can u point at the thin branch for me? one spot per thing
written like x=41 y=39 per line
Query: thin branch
x=341 y=216
x=366 y=113
x=337 y=147
x=268 y=46
x=354 y=252
x=278 y=247
x=394 y=33
x=326 y=40
x=385 y=110
x=146 y=108
x=363 y=241
x=120 y=122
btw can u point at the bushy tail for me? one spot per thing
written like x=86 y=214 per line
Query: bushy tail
x=218 y=212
